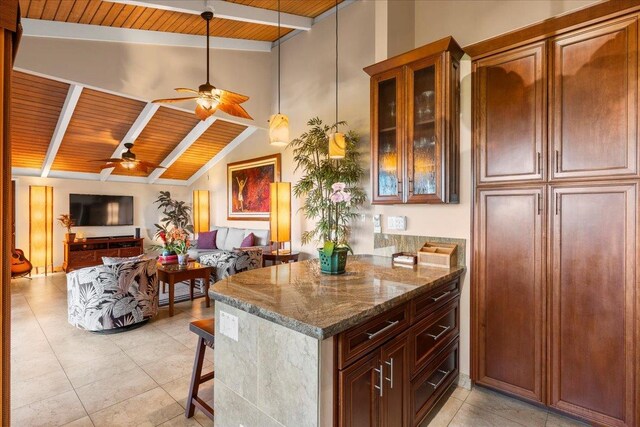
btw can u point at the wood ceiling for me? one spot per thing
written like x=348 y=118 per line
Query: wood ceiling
x=98 y=124
x=119 y=15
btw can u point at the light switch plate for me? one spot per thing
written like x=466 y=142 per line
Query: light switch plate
x=397 y=223
x=229 y=325
x=377 y=223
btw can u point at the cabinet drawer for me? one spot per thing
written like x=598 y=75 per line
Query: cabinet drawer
x=423 y=306
x=133 y=251
x=433 y=333
x=436 y=378
x=82 y=257
x=356 y=342
x=106 y=252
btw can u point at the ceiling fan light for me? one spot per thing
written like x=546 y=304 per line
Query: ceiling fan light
x=337 y=145
x=279 y=130
x=128 y=165
x=205 y=102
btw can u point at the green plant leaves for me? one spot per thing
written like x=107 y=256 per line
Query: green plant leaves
x=328 y=248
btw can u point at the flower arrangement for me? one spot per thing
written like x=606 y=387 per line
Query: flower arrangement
x=176 y=239
x=340 y=202
x=66 y=221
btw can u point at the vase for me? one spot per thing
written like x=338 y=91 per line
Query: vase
x=167 y=252
x=334 y=263
x=70 y=237
x=183 y=259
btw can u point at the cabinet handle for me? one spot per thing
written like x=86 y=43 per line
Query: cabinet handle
x=436 y=385
x=399 y=187
x=539 y=162
x=410 y=186
x=557 y=161
x=390 y=379
x=444 y=330
x=439 y=297
x=539 y=204
x=386 y=328
x=557 y=204
x=381 y=375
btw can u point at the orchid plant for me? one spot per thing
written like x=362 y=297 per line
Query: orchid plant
x=340 y=200
x=176 y=239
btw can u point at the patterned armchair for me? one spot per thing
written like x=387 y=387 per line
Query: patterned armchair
x=227 y=263
x=113 y=296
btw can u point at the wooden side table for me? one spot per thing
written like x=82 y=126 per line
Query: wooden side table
x=174 y=273
x=279 y=259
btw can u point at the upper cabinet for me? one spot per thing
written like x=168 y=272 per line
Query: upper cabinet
x=595 y=106
x=415 y=149
x=511 y=115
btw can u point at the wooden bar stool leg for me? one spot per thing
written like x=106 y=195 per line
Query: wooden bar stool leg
x=195 y=378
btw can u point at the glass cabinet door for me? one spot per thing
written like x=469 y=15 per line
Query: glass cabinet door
x=424 y=167
x=387 y=147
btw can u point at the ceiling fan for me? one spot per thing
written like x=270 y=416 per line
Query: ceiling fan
x=128 y=161
x=208 y=97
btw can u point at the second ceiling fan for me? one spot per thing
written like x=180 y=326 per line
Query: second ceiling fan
x=208 y=97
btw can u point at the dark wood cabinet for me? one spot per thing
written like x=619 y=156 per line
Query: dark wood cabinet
x=358 y=391
x=90 y=252
x=510 y=289
x=594 y=104
x=593 y=286
x=414 y=125
x=511 y=115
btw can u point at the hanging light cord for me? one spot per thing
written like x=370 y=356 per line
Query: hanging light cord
x=279 y=42
x=336 y=65
x=207 y=19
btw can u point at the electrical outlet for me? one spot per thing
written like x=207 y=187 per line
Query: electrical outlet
x=377 y=223
x=229 y=325
x=397 y=223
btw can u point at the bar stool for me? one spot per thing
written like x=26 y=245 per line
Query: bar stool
x=205 y=329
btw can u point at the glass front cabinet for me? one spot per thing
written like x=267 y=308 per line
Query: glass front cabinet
x=415 y=149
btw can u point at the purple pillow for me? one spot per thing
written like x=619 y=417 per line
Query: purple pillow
x=248 y=241
x=207 y=240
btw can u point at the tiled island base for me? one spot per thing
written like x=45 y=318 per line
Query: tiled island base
x=271 y=376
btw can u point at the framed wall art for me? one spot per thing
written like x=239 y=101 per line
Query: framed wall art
x=248 y=187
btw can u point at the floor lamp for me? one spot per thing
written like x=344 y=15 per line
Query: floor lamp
x=280 y=215
x=41 y=227
x=201 y=211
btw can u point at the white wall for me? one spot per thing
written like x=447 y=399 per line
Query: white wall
x=144 y=216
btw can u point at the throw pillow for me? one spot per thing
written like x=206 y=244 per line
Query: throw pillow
x=207 y=240
x=248 y=241
x=108 y=260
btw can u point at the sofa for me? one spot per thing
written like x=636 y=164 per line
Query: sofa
x=110 y=297
x=230 y=257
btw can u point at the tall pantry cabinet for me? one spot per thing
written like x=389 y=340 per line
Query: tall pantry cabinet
x=555 y=286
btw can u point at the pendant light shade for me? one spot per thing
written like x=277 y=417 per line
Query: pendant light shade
x=337 y=145
x=279 y=123
x=279 y=130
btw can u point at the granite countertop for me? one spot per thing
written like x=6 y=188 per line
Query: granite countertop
x=299 y=297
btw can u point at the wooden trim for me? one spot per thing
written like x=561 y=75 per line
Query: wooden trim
x=552 y=27
x=431 y=49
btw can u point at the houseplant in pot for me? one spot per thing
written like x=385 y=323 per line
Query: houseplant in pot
x=330 y=190
x=67 y=222
x=179 y=243
x=176 y=214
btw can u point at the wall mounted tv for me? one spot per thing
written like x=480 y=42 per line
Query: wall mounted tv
x=95 y=210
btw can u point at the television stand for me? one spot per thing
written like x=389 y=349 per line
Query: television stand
x=90 y=252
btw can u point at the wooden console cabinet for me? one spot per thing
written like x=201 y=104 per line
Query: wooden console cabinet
x=393 y=369
x=89 y=253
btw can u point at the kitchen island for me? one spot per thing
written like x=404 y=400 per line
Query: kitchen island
x=377 y=345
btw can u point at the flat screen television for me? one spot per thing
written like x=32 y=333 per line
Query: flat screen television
x=95 y=210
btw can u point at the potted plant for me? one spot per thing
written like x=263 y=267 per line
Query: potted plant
x=331 y=192
x=176 y=214
x=67 y=222
x=180 y=243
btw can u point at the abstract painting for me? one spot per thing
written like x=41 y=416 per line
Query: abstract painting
x=248 y=187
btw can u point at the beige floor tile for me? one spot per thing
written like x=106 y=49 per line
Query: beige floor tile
x=82 y=422
x=145 y=410
x=78 y=349
x=149 y=353
x=181 y=421
x=443 y=413
x=145 y=335
x=202 y=419
x=179 y=390
x=555 y=420
x=173 y=367
x=507 y=407
x=109 y=391
x=24 y=392
x=471 y=416
x=54 y=411
x=460 y=393
x=90 y=371
x=33 y=365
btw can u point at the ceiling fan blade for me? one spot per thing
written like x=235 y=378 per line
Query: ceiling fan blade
x=203 y=113
x=235 y=110
x=107 y=160
x=150 y=165
x=228 y=97
x=186 y=89
x=109 y=165
x=172 y=100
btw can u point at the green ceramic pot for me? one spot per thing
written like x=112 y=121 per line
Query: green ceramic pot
x=335 y=263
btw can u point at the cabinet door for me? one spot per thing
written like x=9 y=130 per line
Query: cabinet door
x=425 y=131
x=594 y=105
x=360 y=393
x=510 y=291
x=387 y=111
x=592 y=298
x=511 y=115
x=395 y=397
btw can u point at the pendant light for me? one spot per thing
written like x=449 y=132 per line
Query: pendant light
x=279 y=123
x=337 y=143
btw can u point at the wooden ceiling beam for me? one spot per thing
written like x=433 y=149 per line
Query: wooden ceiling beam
x=228 y=10
x=222 y=153
x=188 y=140
x=65 y=30
x=132 y=134
x=17 y=172
x=61 y=127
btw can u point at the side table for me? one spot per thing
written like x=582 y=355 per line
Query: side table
x=279 y=259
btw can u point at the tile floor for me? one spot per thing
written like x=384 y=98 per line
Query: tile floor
x=62 y=376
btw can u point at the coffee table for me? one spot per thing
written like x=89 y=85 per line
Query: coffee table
x=175 y=273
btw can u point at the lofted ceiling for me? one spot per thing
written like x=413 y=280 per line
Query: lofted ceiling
x=60 y=128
